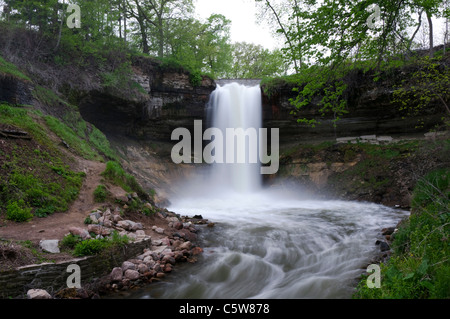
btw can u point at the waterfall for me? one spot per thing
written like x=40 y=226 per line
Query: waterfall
x=266 y=243
x=236 y=106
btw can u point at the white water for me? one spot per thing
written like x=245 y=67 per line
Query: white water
x=235 y=106
x=269 y=243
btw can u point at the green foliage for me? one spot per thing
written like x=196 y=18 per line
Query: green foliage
x=100 y=194
x=101 y=143
x=68 y=135
x=93 y=247
x=46 y=96
x=34 y=173
x=70 y=241
x=250 y=61
x=22 y=118
x=18 y=212
x=419 y=267
x=118 y=78
x=89 y=247
x=432 y=189
x=325 y=84
x=116 y=174
x=10 y=69
x=430 y=82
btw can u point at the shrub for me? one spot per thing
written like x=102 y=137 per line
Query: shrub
x=70 y=241
x=90 y=247
x=100 y=194
x=16 y=211
x=96 y=246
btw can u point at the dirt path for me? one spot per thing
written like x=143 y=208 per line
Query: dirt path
x=57 y=225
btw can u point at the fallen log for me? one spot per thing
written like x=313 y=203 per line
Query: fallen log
x=14 y=135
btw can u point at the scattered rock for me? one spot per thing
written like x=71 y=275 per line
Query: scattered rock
x=117 y=274
x=388 y=231
x=132 y=274
x=383 y=246
x=142 y=268
x=177 y=225
x=83 y=233
x=127 y=265
x=197 y=251
x=50 y=246
x=186 y=245
x=99 y=230
x=38 y=294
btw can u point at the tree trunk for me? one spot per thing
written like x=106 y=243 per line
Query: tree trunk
x=160 y=37
x=430 y=25
x=125 y=23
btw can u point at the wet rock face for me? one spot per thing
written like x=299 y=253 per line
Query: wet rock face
x=170 y=101
x=370 y=112
x=15 y=91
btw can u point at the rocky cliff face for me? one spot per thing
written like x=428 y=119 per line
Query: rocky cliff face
x=371 y=112
x=168 y=101
x=15 y=91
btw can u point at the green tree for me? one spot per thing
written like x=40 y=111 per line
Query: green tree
x=254 y=61
x=155 y=19
x=430 y=83
x=331 y=37
x=203 y=47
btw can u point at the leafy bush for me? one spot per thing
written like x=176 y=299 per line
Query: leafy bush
x=70 y=241
x=100 y=194
x=92 y=247
x=16 y=211
x=195 y=78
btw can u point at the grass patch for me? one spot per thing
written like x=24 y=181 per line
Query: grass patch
x=33 y=177
x=93 y=247
x=117 y=175
x=10 y=69
x=18 y=212
x=22 y=118
x=100 y=194
x=419 y=267
x=72 y=139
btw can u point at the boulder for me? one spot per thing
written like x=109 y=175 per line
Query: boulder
x=126 y=265
x=186 y=245
x=132 y=274
x=99 y=230
x=388 y=231
x=117 y=274
x=83 y=233
x=50 y=246
x=177 y=225
x=142 y=268
x=38 y=294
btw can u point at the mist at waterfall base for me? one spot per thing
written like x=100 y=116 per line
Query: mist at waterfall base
x=268 y=243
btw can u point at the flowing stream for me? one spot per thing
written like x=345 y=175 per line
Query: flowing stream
x=268 y=243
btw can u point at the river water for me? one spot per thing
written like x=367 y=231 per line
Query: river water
x=264 y=247
x=268 y=243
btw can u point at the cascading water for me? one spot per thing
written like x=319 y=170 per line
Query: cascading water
x=236 y=106
x=269 y=243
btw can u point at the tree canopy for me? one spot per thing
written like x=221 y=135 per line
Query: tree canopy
x=165 y=29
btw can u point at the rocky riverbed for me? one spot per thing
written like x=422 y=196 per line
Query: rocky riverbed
x=172 y=240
